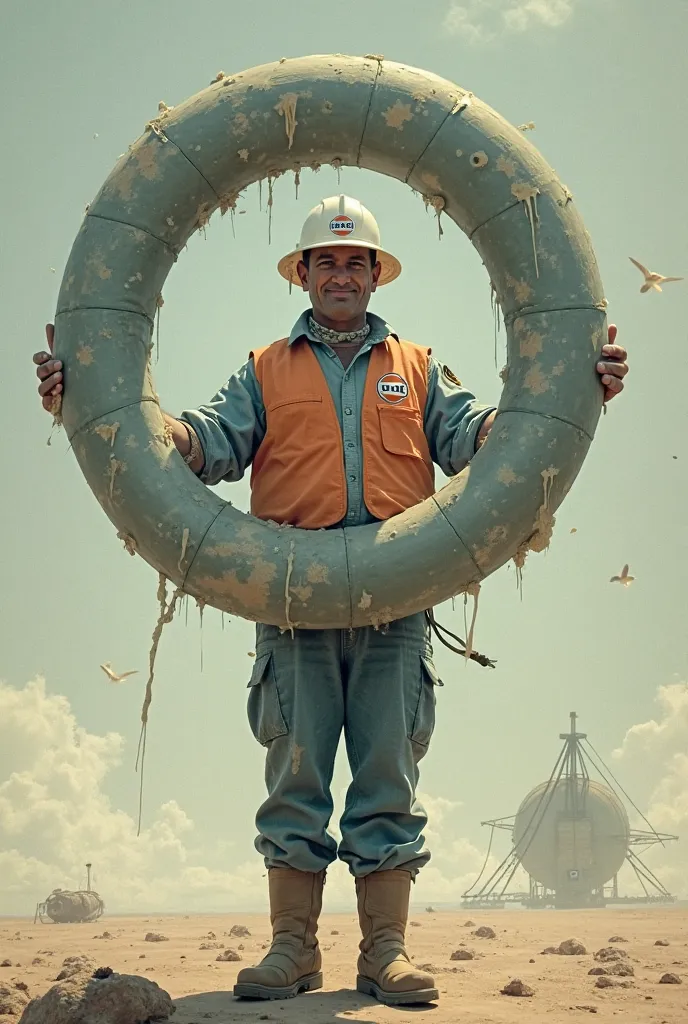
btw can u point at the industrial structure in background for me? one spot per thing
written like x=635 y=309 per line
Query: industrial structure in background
x=571 y=835
x=66 y=907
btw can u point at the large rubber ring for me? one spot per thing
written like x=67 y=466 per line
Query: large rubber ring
x=464 y=158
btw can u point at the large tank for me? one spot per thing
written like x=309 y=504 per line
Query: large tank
x=571 y=840
x=65 y=907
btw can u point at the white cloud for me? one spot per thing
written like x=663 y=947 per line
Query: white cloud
x=55 y=816
x=530 y=13
x=481 y=20
x=466 y=21
x=656 y=752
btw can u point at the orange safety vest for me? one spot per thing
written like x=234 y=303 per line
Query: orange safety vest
x=298 y=472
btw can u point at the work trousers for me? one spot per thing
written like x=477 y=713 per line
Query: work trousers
x=378 y=686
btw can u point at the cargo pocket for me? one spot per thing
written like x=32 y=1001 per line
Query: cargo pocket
x=264 y=710
x=424 y=717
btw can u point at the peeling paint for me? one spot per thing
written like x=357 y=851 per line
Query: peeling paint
x=507 y=166
x=243 y=154
x=535 y=380
x=521 y=289
x=431 y=180
x=507 y=476
x=366 y=601
x=397 y=115
x=303 y=593
x=530 y=344
x=240 y=125
x=318 y=572
x=108 y=432
x=84 y=354
x=253 y=592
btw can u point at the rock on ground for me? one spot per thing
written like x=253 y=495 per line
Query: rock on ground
x=607 y=982
x=229 y=954
x=661 y=942
x=462 y=954
x=13 y=999
x=572 y=947
x=670 y=979
x=108 y=998
x=608 y=953
x=155 y=937
x=485 y=932
x=240 y=931
x=75 y=965
x=616 y=938
x=212 y=945
x=517 y=988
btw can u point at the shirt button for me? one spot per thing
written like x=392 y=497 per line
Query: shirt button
x=347 y=411
x=352 y=477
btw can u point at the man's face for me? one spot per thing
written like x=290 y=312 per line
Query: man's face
x=339 y=280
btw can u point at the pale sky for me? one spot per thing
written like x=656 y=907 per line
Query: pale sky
x=605 y=83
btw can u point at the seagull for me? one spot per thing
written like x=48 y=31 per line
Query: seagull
x=624 y=579
x=112 y=675
x=652 y=280
x=574 y=529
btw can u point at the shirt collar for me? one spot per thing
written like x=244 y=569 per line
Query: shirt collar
x=379 y=329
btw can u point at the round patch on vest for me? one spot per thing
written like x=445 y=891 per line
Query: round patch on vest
x=451 y=377
x=342 y=226
x=392 y=388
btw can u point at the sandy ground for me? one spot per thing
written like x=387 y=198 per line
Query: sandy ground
x=469 y=990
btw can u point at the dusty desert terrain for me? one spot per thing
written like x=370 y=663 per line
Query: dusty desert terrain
x=469 y=989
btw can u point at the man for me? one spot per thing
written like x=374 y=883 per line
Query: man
x=342 y=423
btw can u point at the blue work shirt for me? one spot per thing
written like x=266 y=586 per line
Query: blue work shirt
x=232 y=425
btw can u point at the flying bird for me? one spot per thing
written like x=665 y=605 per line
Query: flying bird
x=112 y=675
x=624 y=579
x=652 y=280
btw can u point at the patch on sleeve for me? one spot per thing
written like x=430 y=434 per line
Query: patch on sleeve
x=451 y=377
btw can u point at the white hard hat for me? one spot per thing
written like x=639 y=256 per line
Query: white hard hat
x=340 y=220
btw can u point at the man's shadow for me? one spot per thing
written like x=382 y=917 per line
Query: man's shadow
x=315 y=1007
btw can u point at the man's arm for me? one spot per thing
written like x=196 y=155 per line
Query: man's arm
x=229 y=429
x=456 y=424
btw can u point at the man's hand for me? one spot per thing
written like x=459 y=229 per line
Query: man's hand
x=613 y=366
x=49 y=372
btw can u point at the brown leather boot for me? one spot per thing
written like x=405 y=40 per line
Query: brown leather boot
x=384 y=969
x=293 y=962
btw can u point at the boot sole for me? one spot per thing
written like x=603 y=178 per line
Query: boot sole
x=421 y=995
x=249 y=990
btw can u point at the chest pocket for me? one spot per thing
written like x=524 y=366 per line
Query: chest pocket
x=402 y=431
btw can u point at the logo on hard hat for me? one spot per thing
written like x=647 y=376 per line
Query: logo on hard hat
x=342 y=226
x=392 y=388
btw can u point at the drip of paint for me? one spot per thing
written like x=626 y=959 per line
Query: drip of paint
x=287 y=595
x=527 y=194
